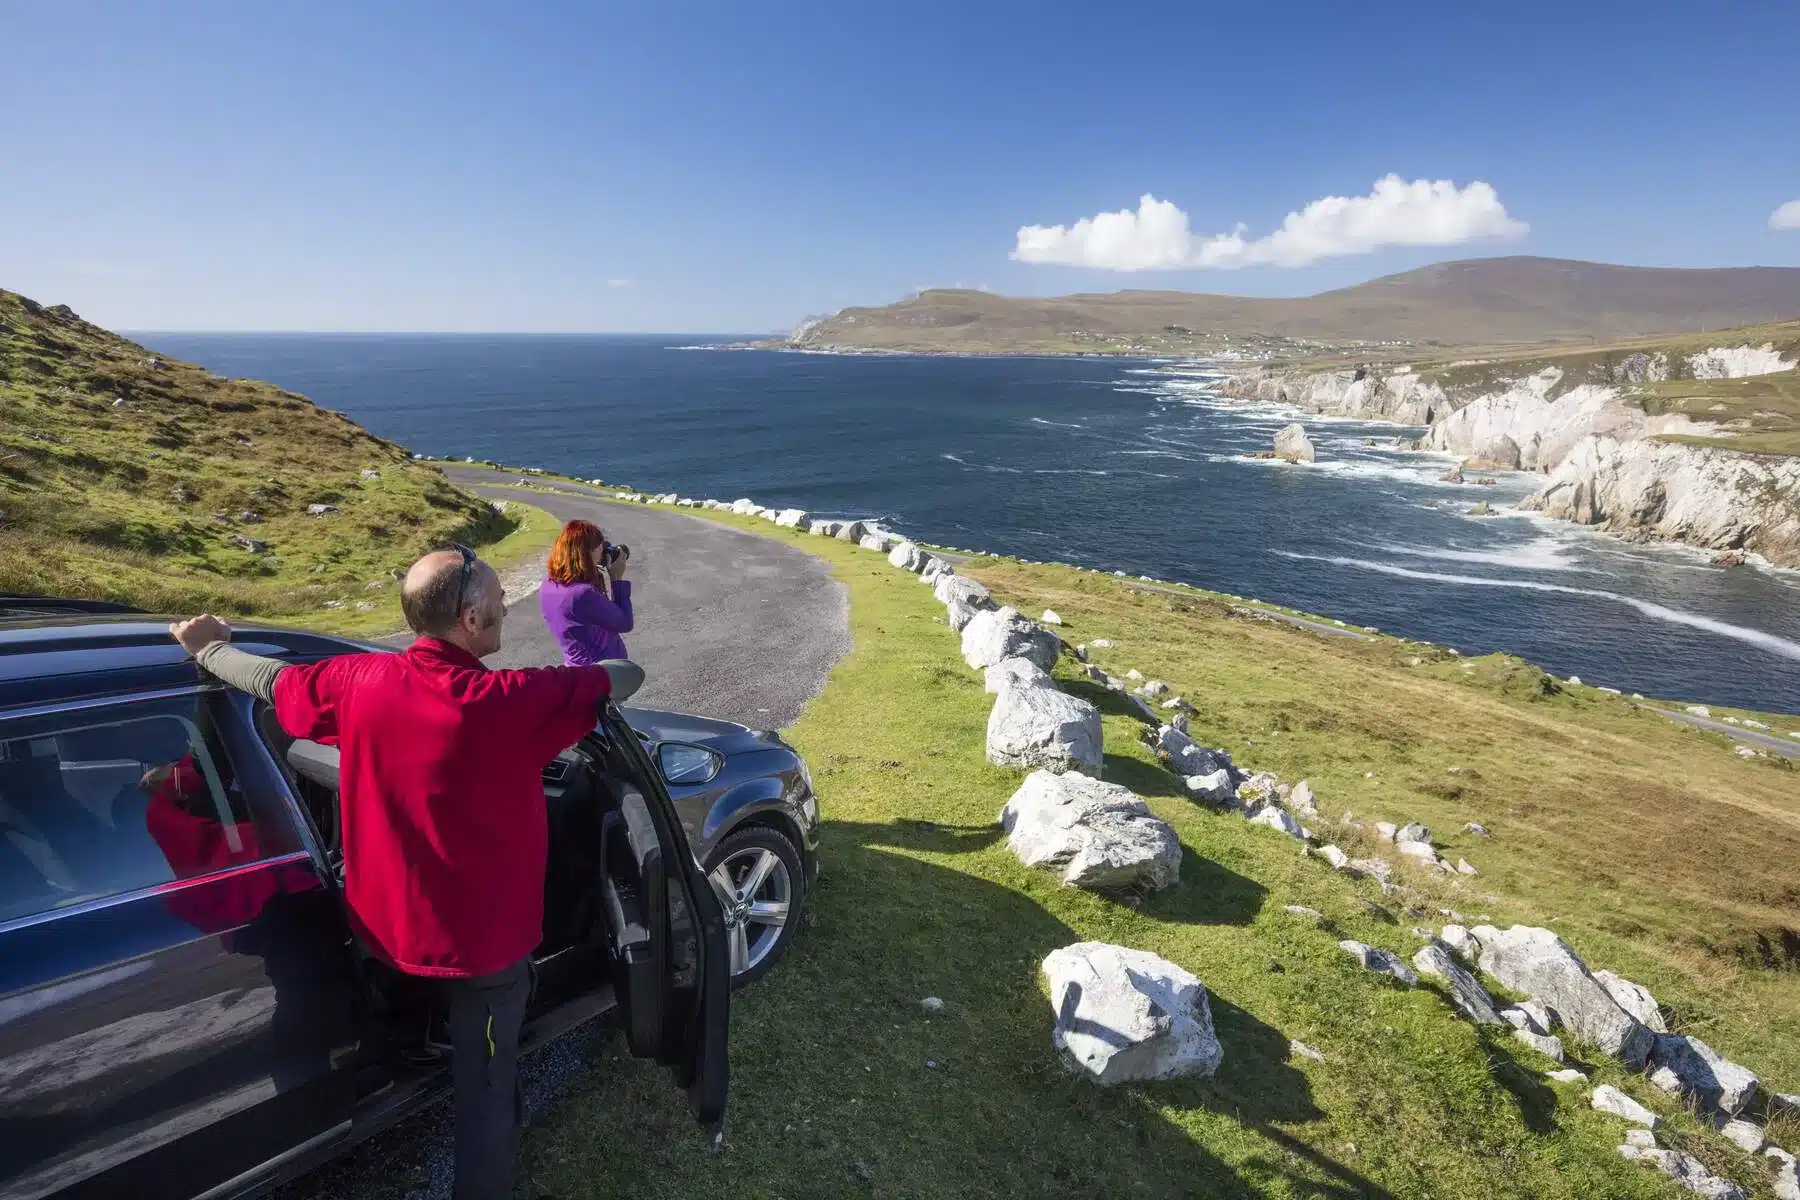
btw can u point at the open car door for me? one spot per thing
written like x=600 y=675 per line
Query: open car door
x=667 y=943
x=649 y=912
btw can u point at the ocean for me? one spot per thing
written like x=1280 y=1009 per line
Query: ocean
x=1116 y=464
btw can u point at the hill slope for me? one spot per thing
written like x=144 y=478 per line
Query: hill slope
x=1484 y=301
x=129 y=477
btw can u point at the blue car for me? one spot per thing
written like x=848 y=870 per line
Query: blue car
x=182 y=1009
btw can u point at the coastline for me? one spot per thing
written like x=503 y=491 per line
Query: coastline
x=527 y=479
x=1606 y=462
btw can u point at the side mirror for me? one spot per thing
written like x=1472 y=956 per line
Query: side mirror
x=627 y=677
x=685 y=766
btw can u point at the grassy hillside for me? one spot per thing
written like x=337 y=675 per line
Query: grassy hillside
x=1653 y=849
x=130 y=477
x=835 y=1065
x=1489 y=301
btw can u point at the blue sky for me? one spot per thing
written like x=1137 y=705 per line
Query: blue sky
x=736 y=167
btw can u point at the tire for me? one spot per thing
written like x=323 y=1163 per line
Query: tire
x=756 y=941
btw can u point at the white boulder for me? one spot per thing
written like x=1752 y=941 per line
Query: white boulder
x=1469 y=996
x=958 y=614
x=1385 y=830
x=1412 y=831
x=960 y=587
x=908 y=557
x=1541 y=965
x=1003 y=633
x=1214 y=788
x=1098 y=835
x=1546 y=1044
x=1530 y=1016
x=1461 y=941
x=1692 y=1069
x=1688 y=1172
x=1336 y=857
x=1125 y=1015
x=1051 y=617
x=1633 y=998
x=1292 y=444
x=1419 y=850
x=1276 y=817
x=1609 y=1099
x=1186 y=756
x=881 y=543
x=791 y=518
x=1015 y=672
x=1747 y=1136
x=1042 y=727
x=1383 y=962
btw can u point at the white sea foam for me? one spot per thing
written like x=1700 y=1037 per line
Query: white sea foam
x=1057 y=424
x=1349 y=468
x=1539 y=554
x=1675 y=616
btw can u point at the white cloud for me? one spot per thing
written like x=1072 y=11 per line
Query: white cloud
x=1786 y=217
x=1395 y=213
x=618 y=283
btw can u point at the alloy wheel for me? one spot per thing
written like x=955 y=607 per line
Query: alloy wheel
x=757 y=893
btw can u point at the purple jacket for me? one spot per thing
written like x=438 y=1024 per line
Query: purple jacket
x=584 y=622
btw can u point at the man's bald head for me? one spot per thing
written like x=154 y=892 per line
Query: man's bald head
x=429 y=594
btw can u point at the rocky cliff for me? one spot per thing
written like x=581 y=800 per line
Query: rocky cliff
x=1590 y=418
x=1644 y=488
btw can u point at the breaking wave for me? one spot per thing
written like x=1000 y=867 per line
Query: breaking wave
x=1675 y=616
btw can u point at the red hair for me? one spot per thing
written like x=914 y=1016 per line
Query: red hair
x=575 y=557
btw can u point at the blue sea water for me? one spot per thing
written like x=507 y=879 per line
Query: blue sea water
x=1126 y=465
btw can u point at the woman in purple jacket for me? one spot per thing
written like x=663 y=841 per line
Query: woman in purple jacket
x=585 y=600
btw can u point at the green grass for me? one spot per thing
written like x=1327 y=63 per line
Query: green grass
x=142 y=501
x=838 y=1074
x=372 y=612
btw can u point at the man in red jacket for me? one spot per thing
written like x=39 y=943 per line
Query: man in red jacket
x=444 y=828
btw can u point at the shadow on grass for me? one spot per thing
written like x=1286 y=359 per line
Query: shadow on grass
x=1020 y=1116
x=1146 y=779
x=1535 y=1099
x=1208 y=894
x=1109 y=702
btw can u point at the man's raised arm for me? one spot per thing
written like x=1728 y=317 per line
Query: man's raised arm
x=208 y=639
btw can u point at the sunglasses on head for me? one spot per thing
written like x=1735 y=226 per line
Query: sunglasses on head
x=468 y=573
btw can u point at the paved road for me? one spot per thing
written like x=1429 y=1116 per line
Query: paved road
x=1773 y=743
x=729 y=624
x=471 y=476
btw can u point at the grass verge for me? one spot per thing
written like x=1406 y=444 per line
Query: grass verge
x=842 y=1084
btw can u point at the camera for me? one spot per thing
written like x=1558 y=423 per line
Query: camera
x=610 y=554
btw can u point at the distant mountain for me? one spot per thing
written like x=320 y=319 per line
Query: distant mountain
x=1473 y=302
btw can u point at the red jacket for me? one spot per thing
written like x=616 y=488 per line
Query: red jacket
x=440 y=776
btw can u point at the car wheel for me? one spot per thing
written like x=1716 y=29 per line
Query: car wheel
x=757 y=876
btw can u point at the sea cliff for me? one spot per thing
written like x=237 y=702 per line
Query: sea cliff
x=1644 y=488
x=1590 y=421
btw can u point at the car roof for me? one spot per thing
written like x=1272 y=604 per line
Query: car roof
x=51 y=652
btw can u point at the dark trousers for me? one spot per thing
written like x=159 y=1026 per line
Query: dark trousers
x=485 y=1015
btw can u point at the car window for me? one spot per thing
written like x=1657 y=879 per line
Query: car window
x=99 y=801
